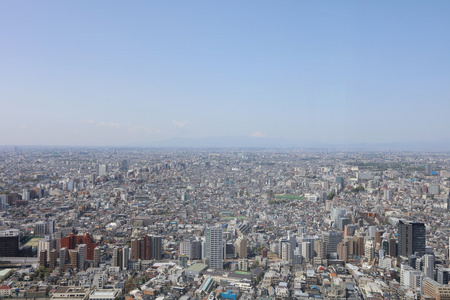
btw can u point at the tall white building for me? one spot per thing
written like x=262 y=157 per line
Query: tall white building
x=214 y=247
x=102 y=170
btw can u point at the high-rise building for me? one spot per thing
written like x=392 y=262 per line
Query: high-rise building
x=157 y=248
x=102 y=170
x=306 y=250
x=97 y=256
x=9 y=242
x=387 y=194
x=369 y=250
x=73 y=259
x=214 y=247
x=185 y=248
x=117 y=257
x=240 y=247
x=286 y=251
x=39 y=228
x=63 y=255
x=443 y=275
x=43 y=258
x=392 y=247
x=428 y=266
x=342 y=250
x=428 y=169
x=411 y=238
x=124 y=165
x=125 y=257
x=53 y=258
x=377 y=238
x=196 y=247
x=319 y=249
x=135 y=249
x=50 y=227
x=146 y=248
x=72 y=241
x=331 y=240
x=340 y=180
x=82 y=255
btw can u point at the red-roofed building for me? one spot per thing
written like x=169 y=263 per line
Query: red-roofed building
x=5 y=291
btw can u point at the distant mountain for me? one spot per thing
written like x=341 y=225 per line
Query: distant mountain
x=265 y=142
x=230 y=142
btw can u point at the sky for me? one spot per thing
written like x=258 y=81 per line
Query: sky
x=124 y=73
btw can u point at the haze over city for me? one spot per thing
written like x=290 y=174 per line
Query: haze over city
x=142 y=73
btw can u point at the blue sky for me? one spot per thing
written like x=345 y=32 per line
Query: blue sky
x=135 y=72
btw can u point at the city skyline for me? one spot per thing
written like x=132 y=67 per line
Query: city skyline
x=138 y=74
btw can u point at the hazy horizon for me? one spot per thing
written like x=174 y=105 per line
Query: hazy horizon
x=138 y=73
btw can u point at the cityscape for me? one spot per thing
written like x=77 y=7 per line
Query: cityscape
x=105 y=223
x=208 y=150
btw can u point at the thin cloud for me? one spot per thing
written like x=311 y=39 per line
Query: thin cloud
x=109 y=124
x=180 y=124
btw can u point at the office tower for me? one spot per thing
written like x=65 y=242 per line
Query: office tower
x=359 y=245
x=286 y=251
x=125 y=257
x=117 y=257
x=9 y=242
x=53 y=258
x=146 y=248
x=369 y=251
x=411 y=238
x=186 y=248
x=39 y=228
x=428 y=169
x=3 y=201
x=342 y=251
x=297 y=257
x=377 y=238
x=97 y=256
x=196 y=247
x=102 y=170
x=157 y=248
x=241 y=247
x=229 y=250
x=72 y=241
x=331 y=239
x=214 y=247
x=340 y=180
x=25 y=195
x=387 y=195
x=43 y=258
x=63 y=253
x=428 y=266
x=392 y=247
x=124 y=165
x=82 y=256
x=50 y=227
x=73 y=259
x=306 y=250
x=443 y=275
x=319 y=249
x=135 y=249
